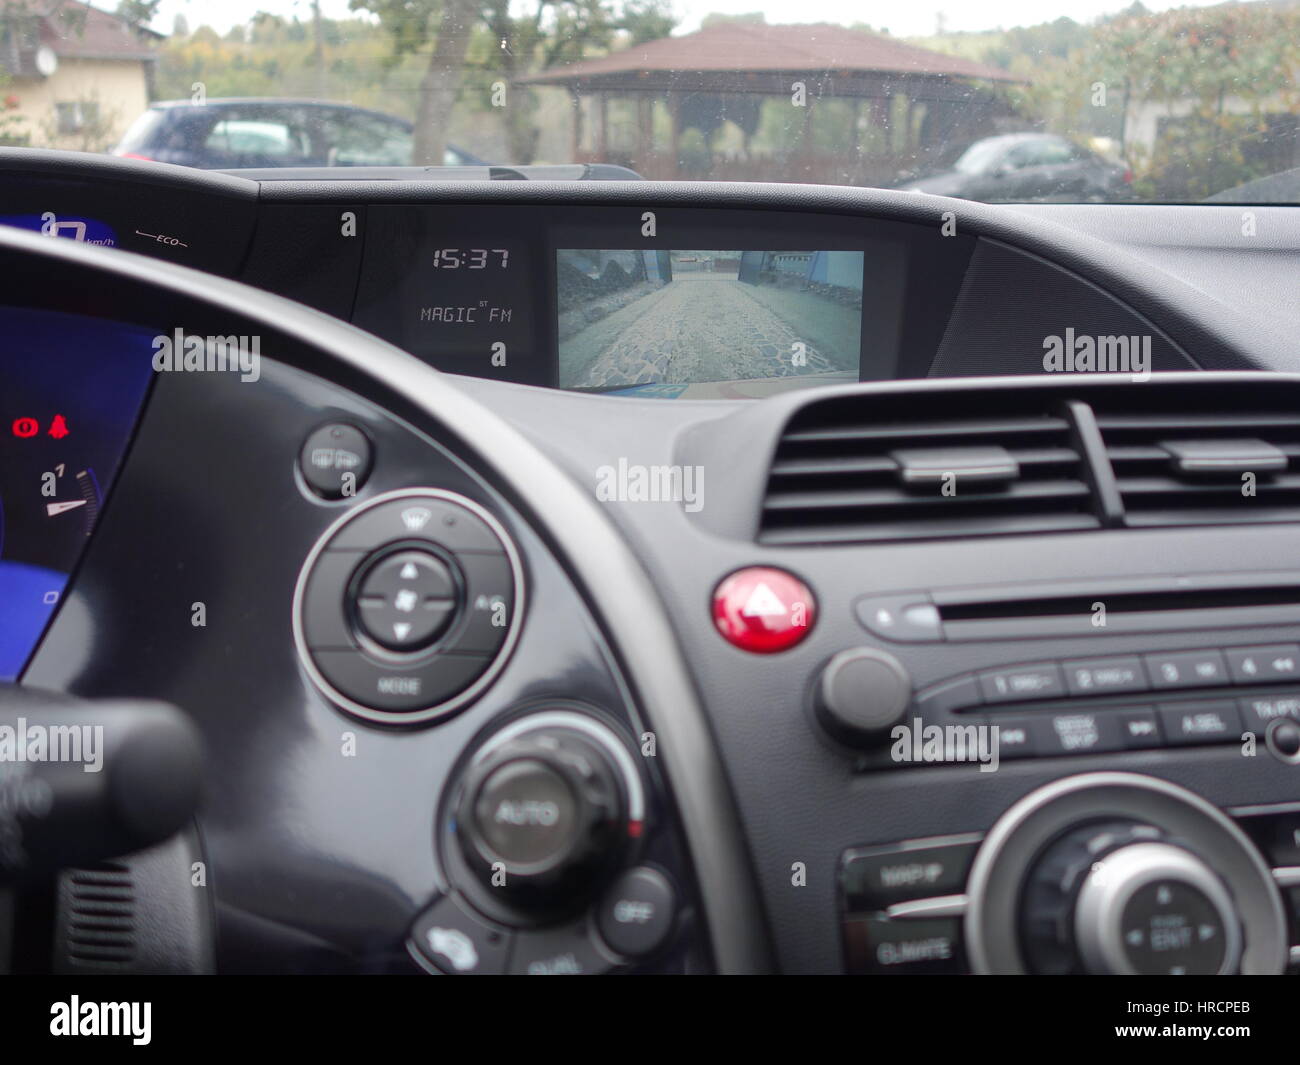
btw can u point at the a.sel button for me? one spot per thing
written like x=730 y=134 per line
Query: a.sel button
x=879 y=945
x=874 y=878
x=1207 y=722
x=489 y=603
x=1041 y=681
x=384 y=687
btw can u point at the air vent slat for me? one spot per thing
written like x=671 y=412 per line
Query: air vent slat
x=1143 y=448
x=868 y=469
x=1211 y=421
x=927 y=430
x=903 y=498
x=836 y=533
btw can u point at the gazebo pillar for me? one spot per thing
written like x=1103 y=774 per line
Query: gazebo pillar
x=575 y=141
x=674 y=134
x=645 y=135
x=602 y=127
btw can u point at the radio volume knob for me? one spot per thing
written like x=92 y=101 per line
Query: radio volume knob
x=862 y=694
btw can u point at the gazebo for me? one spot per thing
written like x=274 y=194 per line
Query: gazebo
x=816 y=103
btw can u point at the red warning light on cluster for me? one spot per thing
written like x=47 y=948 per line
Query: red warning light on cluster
x=25 y=428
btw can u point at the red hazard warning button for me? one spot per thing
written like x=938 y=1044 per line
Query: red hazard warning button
x=761 y=609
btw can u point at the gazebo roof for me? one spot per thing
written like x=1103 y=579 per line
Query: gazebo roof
x=743 y=48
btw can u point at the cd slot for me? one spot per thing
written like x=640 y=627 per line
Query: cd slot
x=1164 y=605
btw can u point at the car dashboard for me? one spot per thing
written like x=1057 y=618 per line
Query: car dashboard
x=562 y=578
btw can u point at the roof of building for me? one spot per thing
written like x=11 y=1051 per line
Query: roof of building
x=71 y=30
x=744 y=47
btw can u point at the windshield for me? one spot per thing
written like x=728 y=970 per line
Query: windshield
x=1001 y=100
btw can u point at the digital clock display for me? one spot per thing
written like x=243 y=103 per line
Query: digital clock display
x=471 y=258
x=457 y=293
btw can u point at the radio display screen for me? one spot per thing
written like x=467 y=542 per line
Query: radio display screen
x=71 y=391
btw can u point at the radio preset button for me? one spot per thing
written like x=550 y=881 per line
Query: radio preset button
x=1187 y=669
x=1255 y=665
x=1039 y=681
x=1105 y=676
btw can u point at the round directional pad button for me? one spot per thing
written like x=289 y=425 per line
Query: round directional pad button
x=406 y=600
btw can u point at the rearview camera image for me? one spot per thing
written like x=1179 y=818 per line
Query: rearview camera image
x=708 y=324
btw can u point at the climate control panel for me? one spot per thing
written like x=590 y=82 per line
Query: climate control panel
x=553 y=862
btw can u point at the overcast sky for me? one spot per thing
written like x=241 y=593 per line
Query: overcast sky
x=915 y=18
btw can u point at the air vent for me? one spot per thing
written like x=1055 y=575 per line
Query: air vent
x=894 y=467
x=1234 y=461
x=97 y=919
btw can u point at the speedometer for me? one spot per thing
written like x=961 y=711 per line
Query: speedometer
x=71 y=389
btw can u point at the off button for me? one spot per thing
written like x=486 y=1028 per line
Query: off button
x=637 y=914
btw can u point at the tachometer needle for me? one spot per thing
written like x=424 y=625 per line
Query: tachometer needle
x=58 y=508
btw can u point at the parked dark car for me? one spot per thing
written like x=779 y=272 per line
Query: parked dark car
x=233 y=134
x=1027 y=166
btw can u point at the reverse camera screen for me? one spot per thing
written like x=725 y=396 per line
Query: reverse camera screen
x=707 y=323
